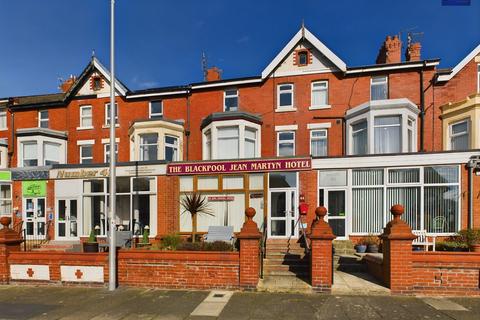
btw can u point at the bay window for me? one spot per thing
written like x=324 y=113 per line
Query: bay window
x=459 y=135
x=39 y=150
x=387 y=131
x=148 y=147
x=230 y=139
x=171 y=148
x=318 y=143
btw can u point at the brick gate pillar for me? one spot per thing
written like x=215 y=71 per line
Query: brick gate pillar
x=9 y=241
x=397 y=253
x=249 y=238
x=321 y=269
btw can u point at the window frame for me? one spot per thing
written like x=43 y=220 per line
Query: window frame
x=83 y=117
x=45 y=159
x=225 y=97
x=286 y=141
x=302 y=52
x=42 y=121
x=155 y=115
x=290 y=107
x=3 y=115
x=142 y=145
x=5 y=202
x=352 y=135
x=107 y=115
x=318 y=139
x=399 y=125
x=478 y=78
x=377 y=84
x=245 y=139
x=313 y=90
x=105 y=152
x=451 y=135
x=37 y=158
x=81 y=157
x=175 y=146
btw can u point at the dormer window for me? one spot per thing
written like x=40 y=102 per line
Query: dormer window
x=302 y=58
x=230 y=100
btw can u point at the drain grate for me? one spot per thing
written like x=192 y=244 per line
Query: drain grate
x=219 y=295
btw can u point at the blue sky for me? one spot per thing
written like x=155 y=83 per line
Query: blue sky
x=159 y=42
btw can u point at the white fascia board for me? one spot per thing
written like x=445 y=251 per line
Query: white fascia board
x=324 y=125
x=460 y=65
x=5 y=100
x=226 y=83
x=292 y=127
x=386 y=68
x=158 y=94
x=85 y=142
x=382 y=104
x=399 y=160
x=118 y=86
x=291 y=45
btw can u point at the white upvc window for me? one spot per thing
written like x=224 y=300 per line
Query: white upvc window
x=5 y=199
x=359 y=138
x=148 y=147
x=30 y=153
x=107 y=114
x=106 y=152
x=86 y=118
x=286 y=143
x=228 y=142
x=207 y=153
x=43 y=119
x=250 y=143
x=459 y=135
x=171 y=148
x=379 y=88
x=411 y=134
x=388 y=134
x=230 y=100
x=155 y=110
x=478 y=78
x=86 y=154
x=285 y=96
x=318 y=143
x=319 y=95
x=3 y=118
x=51 y=153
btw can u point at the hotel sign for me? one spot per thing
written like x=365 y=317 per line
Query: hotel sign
x=197 y=168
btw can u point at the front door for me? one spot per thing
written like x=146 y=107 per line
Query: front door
x=334 y=200
x=283 y=214
x=67 y=224
x=34 y=217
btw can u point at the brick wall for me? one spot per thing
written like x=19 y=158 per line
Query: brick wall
x=446 y=273
x=199 y=270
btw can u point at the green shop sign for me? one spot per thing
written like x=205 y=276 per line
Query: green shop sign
x=5 y=176
x=34 y=188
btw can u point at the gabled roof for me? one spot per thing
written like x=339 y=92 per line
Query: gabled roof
x=95 y=64
x=303 y=33
x=458 y=67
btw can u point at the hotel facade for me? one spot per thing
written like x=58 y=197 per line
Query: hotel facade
x=309 y=130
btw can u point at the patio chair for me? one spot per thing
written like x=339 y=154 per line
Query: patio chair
x=219 y=233
x=423 y=240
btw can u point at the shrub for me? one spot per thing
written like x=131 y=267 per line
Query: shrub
x=468 y=236
x=451 y=245
x=369 y=240
x=171 y=241
x=92 y=238
x=205 y=246
x=190 y=246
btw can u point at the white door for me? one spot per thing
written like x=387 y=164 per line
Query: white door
x=335 y=202
x=283 y=214
x=67 y=219
x=34 y=217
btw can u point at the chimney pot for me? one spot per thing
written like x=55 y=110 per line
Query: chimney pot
x=67 y=84
x=214 y=74
x=391 y=51
x=413 y=52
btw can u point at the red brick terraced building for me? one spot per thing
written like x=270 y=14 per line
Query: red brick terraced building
x=309 y=129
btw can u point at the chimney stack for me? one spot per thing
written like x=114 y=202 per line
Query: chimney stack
x=413 y=51
x=67 y=84
x=213 y=74
x=391 y=51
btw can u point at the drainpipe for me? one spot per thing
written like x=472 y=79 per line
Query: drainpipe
x=470 y=165
x=422 y=112
x=187 y=132
x=11 y=145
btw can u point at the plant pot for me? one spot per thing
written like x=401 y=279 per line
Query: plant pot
x=372 y=248
x=475 y=247
x=5 y=221
x=361 y=248
x=90 y=247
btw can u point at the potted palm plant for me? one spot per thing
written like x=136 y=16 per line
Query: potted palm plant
x=195 y=204
x=91 y=245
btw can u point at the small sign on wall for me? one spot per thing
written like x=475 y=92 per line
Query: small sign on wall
x=221 y=198
x=34 y=188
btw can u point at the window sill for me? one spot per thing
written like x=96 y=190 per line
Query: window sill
x=285 y=109
x=107 y=126
x=326 y=106
x=84 y=128
x=3 y=129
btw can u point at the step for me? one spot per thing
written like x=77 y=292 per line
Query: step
x=285 y=268
x=283 y=284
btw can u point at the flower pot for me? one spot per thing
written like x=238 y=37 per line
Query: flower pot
x=372 y=248
x=5 y=221
x=361 y=248
x=475 y=247
x=90 y=247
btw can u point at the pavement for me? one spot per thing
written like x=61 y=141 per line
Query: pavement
x=42 y=302
x=357 y=283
